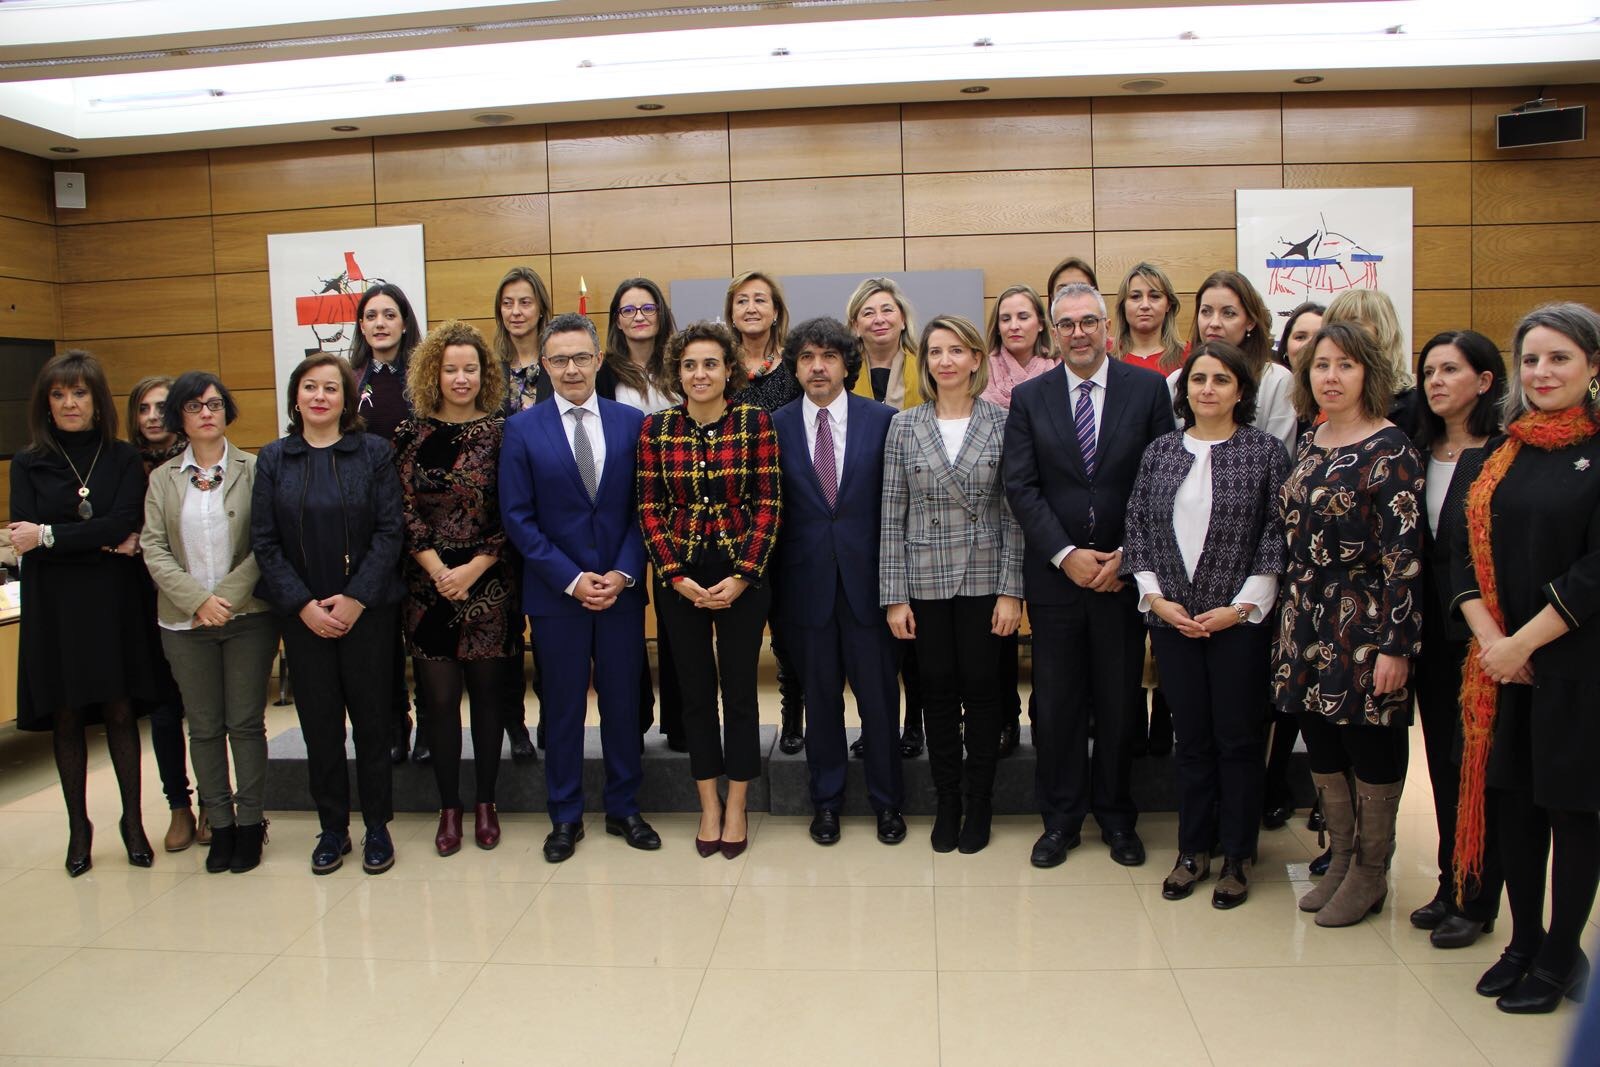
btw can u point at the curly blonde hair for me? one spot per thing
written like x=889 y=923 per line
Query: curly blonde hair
x=422 y=372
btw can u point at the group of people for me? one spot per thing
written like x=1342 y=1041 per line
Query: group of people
x=1310 y=535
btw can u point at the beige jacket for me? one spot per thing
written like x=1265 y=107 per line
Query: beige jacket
x=178 y=595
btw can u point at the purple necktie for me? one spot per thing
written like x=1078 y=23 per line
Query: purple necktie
x=822 y=460
x=1084 y=417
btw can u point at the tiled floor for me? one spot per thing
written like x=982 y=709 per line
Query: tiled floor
x=790 y=954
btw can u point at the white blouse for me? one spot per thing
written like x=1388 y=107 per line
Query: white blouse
x=650 y=401
x=207 y=541
x=954 y=431
x=1437 y=485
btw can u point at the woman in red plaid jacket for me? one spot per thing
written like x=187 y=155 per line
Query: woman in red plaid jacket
x=708 y=506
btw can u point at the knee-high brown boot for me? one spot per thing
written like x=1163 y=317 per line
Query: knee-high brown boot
x=1339 y=820
x=1364 y=888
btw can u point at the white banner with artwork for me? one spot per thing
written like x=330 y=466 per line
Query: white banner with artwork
x=318 y=278
x=1297 y=245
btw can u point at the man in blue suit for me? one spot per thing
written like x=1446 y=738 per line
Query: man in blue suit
x=567 y=499
x=830 y=453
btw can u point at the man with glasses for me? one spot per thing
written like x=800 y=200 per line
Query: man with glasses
x=1073 y=444
x=567 y=500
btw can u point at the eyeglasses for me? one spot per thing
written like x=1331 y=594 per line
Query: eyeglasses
x=214 y=405
x=581 y=360
x=1088 y=324
x=629 y=311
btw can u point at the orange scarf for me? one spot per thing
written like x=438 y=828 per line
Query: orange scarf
x=1480 y=694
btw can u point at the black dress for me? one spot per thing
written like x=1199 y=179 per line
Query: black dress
x=77 y=647
x=770 y=391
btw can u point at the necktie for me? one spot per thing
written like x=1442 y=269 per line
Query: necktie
x=1084 y=417
x=583 y=452
x=822 y=460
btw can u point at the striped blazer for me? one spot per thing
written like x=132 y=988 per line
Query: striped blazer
x=946 y=528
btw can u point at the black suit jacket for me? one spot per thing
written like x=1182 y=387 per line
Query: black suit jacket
x=1051 y=494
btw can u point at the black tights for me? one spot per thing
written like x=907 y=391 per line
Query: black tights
x=72 y=764
x=1374 y=754
x=439 y=685
x=1527 y=832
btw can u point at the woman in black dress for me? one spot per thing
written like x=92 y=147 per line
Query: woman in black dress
x=461 y=615
x=1351 y=621
x=326 y=526
x=77 y=495
x=1529 y=699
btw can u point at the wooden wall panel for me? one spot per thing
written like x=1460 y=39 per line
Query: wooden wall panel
x=239 y=242
x=456 y=163
x=1487 y=103
x=765 y=212
x=1145 y=198
x=681 y=150
x=245 y=360
x=1377 y=127
x=127 y=359
x=278 y=177
x=1443 y=257
x=998 y=202
x=122 y=188
x=464 y=288
x=1441 y=192
x=1187 y=256
x=1176 y=130
x=28 y=309
x=1436 y=310
x=1496 y=312
x=995 y=135
x=1511 y=256
x=243 y=302
x=814 y=142
x=27 y=249
x=26 y=188
x=151 y=307
x=873 y=256
x=477 y=228
x=1005 y=259
x=161 y=248
x=639 y=218
x=257 y=423
x=604 y=270
x=1544 y=190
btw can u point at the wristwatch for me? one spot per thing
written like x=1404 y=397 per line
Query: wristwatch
x=47 y=537
x=1244 y=612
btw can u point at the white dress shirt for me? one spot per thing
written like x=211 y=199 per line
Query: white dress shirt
x=1097 y=399
x=203 y=527
x=591 y=426
x=838 y=416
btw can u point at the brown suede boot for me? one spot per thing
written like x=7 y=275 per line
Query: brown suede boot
x=1339 y=820
x=1363 y=890
x=180 y=832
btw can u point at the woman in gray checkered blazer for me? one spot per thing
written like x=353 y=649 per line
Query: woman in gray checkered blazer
x=950 y=572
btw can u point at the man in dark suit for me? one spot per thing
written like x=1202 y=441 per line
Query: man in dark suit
x=567 y=499
x=1073 y=443
x=830 y=449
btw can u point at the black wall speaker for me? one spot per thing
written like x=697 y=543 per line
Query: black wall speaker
x=1549 y=125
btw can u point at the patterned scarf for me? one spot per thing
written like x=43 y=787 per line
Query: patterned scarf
x=1480 y=694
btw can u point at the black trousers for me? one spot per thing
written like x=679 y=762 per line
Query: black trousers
x=1277 y=790
x=1087 y=655
x=1010 y=682
x=1217 y=690
x=1375 y=754
x=735 y=749
x=958 y=660
x=335 y=676
x=910 y=685
x=669 y=708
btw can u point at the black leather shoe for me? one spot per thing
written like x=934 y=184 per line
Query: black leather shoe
x=421 y=752
x=1052 y=847
x=1504 y=974
x=1126 y=848
x=1233 y=884
x=1319 y=866
x=1458 y=931
x=377 y=851
x=911 y=744
x=791 y=743
x=400 y=744
x=858 y=748
x=328 y=855
x=1008 y=740
x=825 y=827
x=247 y=847
x=1191 y=869
x=220 y=857
x=522 y=750
x=1314 y=820
x=80 y=854
x=1277 y=816
x=140 y=854
x=562 y=841
x=1431 y=914
x=1540 y=992
x=635 y=831
x=891 y=827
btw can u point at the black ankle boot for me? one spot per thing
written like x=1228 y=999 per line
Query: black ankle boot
x=247 y=848
x=790 y=738
x=224 y=840
x=947 y=824
x=975 y=830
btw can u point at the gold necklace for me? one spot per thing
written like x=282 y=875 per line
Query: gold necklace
x=85 y=509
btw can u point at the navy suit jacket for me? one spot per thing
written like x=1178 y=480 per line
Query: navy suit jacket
x=1049 y=490
x=820 y=549
x=558 y=530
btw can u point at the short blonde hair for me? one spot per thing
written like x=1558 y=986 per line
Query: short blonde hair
x=969 y=336
x=1374 y=310
x=780 y=309
x=422 y=373
x=865 y=291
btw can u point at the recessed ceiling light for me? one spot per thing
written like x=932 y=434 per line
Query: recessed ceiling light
x=974 y=90
x=1144 y=85
x=345 y=129
x=65 y=150
x=1308 y=79
x=492 y=118
x=650 y=107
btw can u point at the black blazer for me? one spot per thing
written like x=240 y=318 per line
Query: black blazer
x=1050 y=493
x=1438 y=545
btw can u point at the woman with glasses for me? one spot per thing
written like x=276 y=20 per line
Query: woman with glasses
x=218 y=635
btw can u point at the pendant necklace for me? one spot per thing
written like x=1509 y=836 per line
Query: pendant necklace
x=85 y=509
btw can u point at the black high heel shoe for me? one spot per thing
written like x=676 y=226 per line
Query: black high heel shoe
x=1540 y=992
x=137 y=857
x=80 y=864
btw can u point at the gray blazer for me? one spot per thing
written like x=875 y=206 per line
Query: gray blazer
x=178 y=595
x=946 y=530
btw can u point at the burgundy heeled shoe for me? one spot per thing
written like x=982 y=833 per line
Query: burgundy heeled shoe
x=485 y=825
x=710 y=848
x=732 y=849
x=447 y=841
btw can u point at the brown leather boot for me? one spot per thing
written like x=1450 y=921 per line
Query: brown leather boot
x=180 y=832
x=1363 y=890
x=1339 y=818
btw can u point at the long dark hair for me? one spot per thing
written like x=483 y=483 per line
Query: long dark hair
x=1482 y=355
x=72 y=367
x=1310 y=307
x=136 y=397
x=618 y=356
x=361 y=352
x=1257 y=342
